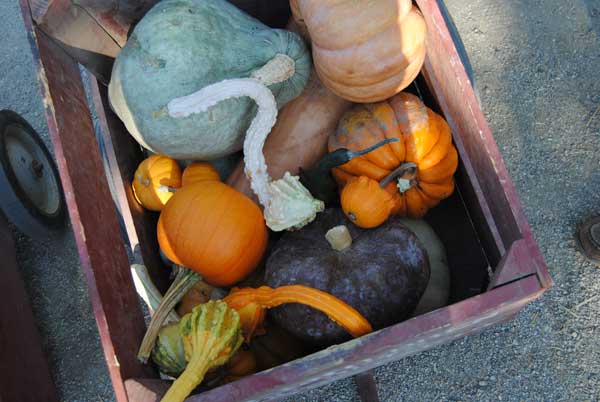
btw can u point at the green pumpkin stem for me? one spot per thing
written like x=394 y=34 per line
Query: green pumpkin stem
x=406 y=172
x=185 y=279
x=318 y=178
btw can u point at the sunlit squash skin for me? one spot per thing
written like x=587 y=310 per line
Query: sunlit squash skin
x=424 y=138
x=214 y=230
x=181 y=46
x=364 y=50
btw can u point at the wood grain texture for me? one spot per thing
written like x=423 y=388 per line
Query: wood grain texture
x=24 y=372
x=124 y=155
x=103 y=258
x=500 y=208
x=146 y=390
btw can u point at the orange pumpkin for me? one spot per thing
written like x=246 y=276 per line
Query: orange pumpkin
x=365 y=203
x=424 y=139
x=154 y=180
x=364 y=50
x=213 y=229
x=199 y=171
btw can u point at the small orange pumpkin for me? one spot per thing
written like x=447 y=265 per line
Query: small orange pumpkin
x=199 y=171
x=424 y=139
x=228 y=236
x=365 y=203
x=154 y=180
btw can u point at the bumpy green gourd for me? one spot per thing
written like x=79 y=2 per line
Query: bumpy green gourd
x=180 y=47
x=168 y=351
x=210 y=336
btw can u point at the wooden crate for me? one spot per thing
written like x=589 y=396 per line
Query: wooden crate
x=495 y=235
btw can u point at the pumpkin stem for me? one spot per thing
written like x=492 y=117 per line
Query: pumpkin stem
x=280 y=68
x=407 y=172
x=148 y=291
x=145 y=182
x=339 y=237
x=318 y=180
x=185 y=279
x=166 y=189
x=338 y=311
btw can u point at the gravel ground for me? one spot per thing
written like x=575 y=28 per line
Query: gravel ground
x=537 y=68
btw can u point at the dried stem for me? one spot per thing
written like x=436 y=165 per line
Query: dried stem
x=185 y=279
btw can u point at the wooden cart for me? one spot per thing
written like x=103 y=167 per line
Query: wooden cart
x=496 y=266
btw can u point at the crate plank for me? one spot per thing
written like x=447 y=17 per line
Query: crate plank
x=359 y=355
x=124 y=155
x=390 y=344
x=500 y=210
x=146 y=390
x=93 y=216
x=24 y=372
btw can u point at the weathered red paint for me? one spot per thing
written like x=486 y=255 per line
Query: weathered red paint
x=104 y=261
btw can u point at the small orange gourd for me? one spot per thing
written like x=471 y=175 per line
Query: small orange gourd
x=265 y=297
x=365 y=203
x=424 y=138
x=199 y=171
x=154 y=180
x=227 y=238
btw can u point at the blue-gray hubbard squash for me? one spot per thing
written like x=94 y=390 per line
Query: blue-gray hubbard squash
x=182 y=46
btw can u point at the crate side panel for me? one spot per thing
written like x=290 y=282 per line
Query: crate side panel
x=491 y=184
x=390 y=344
x=124 y=155
x=92 y=212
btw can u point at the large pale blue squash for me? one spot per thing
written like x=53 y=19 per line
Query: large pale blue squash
x=181 y=46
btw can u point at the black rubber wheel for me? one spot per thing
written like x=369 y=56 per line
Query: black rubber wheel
x=31 y=195
x=588 y=239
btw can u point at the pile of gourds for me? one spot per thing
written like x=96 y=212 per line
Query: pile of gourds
x=199 y=80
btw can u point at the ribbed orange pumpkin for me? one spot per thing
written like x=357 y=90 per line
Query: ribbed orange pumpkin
x=213 y=229
x=199 y=171
x=364 y=50
x=424 y=139
x=153 y=180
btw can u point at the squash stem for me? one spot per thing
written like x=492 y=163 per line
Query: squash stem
x=280 y=68
x=339 y=237
x=344 y=155
x=148 y=291
x=191 y=377
x=337 y=310
x=406 y=171
x=185 y=279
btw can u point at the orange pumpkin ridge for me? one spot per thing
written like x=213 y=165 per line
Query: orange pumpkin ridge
x=425 y=140
x=365 y=51
x=199 y=171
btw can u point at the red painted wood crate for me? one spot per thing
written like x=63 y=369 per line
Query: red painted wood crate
x=496 y=266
